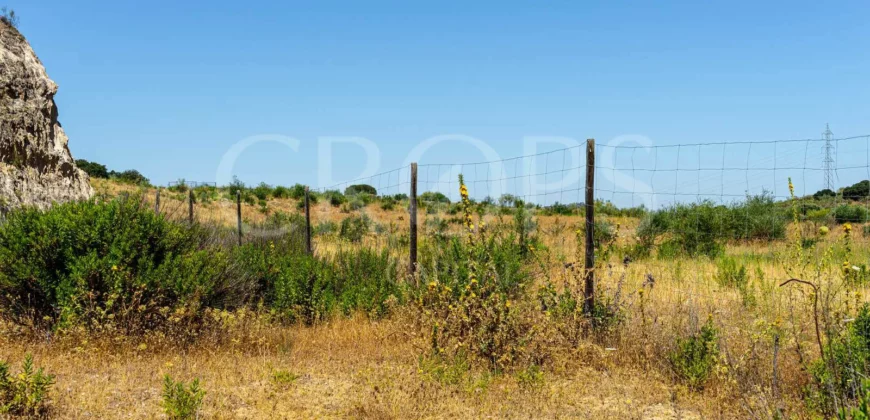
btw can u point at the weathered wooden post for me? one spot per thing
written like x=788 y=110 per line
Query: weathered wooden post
x=589 y=287
x=412 y=208
x=157 y=202
x=239 y=215
x=308 y=222
x=190 y=205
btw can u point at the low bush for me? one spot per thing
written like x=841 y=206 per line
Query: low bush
x=694 y=358
x=181 y=401
x=334 y=198
x=26 y=393
x=858 y=191
x=703 y=228
x=466 y=300
x=113 y=264
x=130 y=176
x=360 y=189
x=355 y=228
x=432 y=197
x=93 y=169
x=849 y=213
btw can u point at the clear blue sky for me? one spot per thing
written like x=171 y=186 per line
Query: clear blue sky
x=167 y=87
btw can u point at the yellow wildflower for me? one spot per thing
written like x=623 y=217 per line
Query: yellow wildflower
x=847 y=228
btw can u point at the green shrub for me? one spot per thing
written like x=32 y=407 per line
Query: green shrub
x=326 y=228
x=388 y=204
x=819 y=216
x=354 y=228
x=694 y=357
x=848 y=213
x=130 y=176
x=86 y=262
x=236 y=187
x=262 y=191
x=181 y=401
x=24 y=394
x=603 y=232
x=360 y=189
x=862 y=410
x=731 y=274
x=304 y=288
x=432 y=197
x=93 y=169
x=858 y=191
x=282 y=192
x=703 y=228
x=837 y=379
x=334 y=197
x=560 y=209
x=824 y=193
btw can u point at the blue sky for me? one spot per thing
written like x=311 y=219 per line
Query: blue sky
x=167 y=87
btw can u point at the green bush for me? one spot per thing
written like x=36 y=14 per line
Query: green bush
x=703 y=228
x=824 y=194
x=731 y=274
x=388 y=204
x=360 y=189
x=432 y=197
x=282 y=192
x=262 y=191
x=694 y=357
x=837 y=379
x=857 y=191
x=181 y=401
x=130 y=176
x=303 y=288
x=862 y=410
x=355 y=228
x=89 y=262
x=326 y=228
x=848 y=213
x=446 y=261
x=334 y=197
x=24 y=394
x=93 y=169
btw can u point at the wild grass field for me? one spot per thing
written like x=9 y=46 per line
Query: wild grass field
x=136 y=315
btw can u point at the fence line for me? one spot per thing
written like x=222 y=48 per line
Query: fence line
x=725 y=177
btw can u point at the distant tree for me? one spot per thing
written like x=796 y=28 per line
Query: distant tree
x=858 y=191
x=93 y=169
x=262 y=191
x=236 y=187
x=824 y=193
x=434 y=197
x=9 y=17
x=360 y=189
x=130 y=176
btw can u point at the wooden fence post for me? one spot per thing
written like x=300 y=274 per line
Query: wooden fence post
x=157 y=202
x=412 y=208
x=589 y=287
x=190 y=205
x=308 y=222
x=239 y=214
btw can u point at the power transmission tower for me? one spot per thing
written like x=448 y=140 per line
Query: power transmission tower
x=828 y=149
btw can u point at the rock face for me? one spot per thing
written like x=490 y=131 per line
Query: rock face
x=36 y=167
